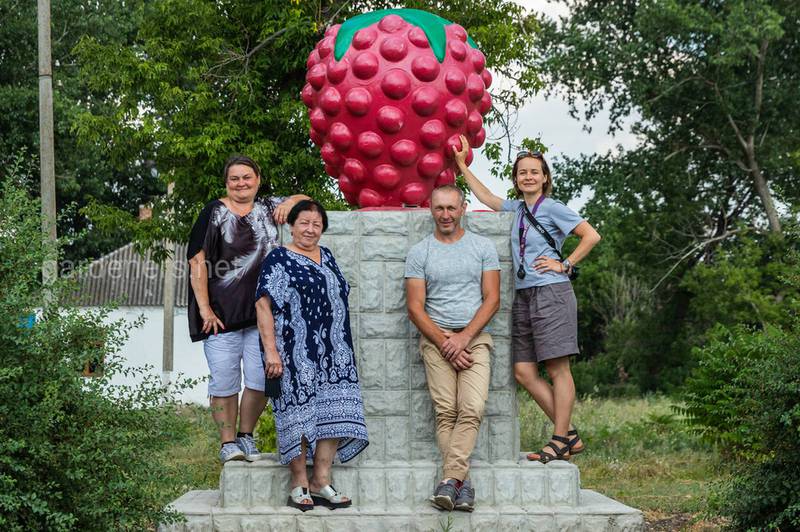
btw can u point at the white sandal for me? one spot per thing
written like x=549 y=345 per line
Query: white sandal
x=296 y=498
x=328 y=496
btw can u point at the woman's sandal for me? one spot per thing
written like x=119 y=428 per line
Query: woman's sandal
x=545 y=457
x=297 y=496
x=328 y=496
x=574 y=438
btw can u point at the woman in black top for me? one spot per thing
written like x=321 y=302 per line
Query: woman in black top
x=229 y=240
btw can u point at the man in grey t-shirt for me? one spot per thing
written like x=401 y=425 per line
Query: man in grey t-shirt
x=453 y=290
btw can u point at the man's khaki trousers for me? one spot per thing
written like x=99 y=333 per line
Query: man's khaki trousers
x=458 y=399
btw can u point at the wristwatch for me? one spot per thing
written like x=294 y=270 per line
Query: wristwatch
x=567 y=266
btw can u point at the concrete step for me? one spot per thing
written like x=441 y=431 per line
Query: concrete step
x=594 y=513
x=406 y=485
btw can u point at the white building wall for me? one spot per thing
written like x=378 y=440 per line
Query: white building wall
x=144 y=347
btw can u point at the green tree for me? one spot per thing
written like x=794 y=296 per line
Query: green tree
x=202 y=79
x=711 y=87
x=81 y=171
x=714 y=83
x=75 y=453
x=743 y=396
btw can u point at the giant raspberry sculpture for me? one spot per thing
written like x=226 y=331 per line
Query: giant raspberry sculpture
x=389 y=92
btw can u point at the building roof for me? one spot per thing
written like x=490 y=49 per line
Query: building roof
x=129 y=279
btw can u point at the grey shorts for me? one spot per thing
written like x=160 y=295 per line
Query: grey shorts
x=229 y=355
x=544 y=323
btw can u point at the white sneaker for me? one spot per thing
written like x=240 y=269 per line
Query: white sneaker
x=247 y=444
x=230 y=451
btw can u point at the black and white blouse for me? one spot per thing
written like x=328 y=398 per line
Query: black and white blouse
x=234 y=246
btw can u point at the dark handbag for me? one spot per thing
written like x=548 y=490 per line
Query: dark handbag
x=573 y=274
x=272 y=388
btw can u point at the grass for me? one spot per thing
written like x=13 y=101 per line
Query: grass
x=197 y=461
x=638 y=452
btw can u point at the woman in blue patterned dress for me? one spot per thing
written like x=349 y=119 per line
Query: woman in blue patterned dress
x=304 y=322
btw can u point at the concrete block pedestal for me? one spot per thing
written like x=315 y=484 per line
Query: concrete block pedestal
x=392 y=479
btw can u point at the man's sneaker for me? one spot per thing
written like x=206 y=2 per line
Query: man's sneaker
x=466 y=497
x=248 y=446
x=230 y=451
x=444 y=496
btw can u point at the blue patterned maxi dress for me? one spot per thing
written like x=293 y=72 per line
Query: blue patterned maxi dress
x=320 y=397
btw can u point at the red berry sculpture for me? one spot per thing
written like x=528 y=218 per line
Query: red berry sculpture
x=389 y=92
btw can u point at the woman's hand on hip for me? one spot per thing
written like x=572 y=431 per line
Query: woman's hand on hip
x=210 y=321
x=547 y=264
x=273 y=367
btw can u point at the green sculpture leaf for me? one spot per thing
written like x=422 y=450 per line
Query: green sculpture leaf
x=432 y=25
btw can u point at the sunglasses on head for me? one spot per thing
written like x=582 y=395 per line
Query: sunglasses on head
x=526 y=153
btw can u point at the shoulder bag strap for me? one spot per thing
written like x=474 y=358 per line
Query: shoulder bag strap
x=535 y=223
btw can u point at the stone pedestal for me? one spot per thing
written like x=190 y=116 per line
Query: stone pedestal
x=392 y=479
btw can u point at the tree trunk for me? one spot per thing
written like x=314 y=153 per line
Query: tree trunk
x=766 y=199
x=759 y=180
x=762 y=189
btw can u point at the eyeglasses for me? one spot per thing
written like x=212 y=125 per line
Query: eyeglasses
x=526 y=153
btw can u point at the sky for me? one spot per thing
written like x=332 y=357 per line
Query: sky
x=549 y=119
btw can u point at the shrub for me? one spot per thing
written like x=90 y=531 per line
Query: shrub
x=744 y=396
x=743 y=283
x=635 y=335
x=75 y=453
x=602 y=376
x=266 y=437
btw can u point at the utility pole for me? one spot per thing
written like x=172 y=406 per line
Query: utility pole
x=169 y=310
x=47 y=155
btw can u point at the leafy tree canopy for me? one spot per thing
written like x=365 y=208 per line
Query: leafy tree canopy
x=715 y=84
x=683 y=214
x=81 y=171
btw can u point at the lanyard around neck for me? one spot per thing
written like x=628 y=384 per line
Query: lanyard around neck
x=523 y=229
